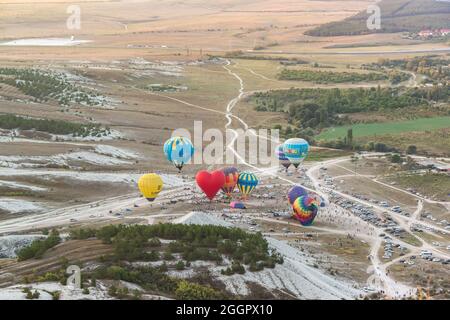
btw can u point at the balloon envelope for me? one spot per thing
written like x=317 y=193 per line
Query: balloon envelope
x=305 y=210
x=231 y=179
x=237 y=205
x=210 y=183
x=247 y=182
x=296 y=150
x=178 y=150
x=296 y=192
x=284 y=161
x=150 y=185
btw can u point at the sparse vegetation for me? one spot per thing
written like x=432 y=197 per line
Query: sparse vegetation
x=44 y=86
x=9 y=121
x=434 y=185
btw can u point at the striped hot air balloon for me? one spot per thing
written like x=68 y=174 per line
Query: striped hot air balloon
x=247 y=182
x=150 y=185
x=179 y=151
x=305 y=210
x=296 y=150
x=231 y=179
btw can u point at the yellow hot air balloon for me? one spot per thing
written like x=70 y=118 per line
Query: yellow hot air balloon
x=150 y=185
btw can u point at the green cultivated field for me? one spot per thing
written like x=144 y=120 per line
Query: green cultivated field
x=378 y=129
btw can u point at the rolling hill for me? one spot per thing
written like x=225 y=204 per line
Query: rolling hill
x=396 y=16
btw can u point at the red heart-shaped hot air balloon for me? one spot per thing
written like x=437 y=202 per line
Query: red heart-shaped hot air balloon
x=210 y=183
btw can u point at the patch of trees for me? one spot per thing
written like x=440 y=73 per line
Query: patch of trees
x=330 y=77
x=241 y=55
x=396 y=158
x=124 y=293
x=38 y=247
x=396 y=77
x=29 y=295
x=191 y=242
x=435 y=68
x=10 y=122
x=155 y=280
x=412 y=149
x=192 y=291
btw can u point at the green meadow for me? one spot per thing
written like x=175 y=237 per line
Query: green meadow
x=379 y=129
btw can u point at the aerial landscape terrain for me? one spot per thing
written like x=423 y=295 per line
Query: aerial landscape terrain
x=91 y=91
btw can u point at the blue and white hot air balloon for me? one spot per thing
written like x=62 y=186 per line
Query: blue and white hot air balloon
x=179 y=151
x=296 y=150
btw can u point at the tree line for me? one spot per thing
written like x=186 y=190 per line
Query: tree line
x=330 y=77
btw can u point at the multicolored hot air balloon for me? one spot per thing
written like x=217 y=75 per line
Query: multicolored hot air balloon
x=150 y=185
x=179 y=151
x=247 y=183
x=284 y=161
x=296 y=192
x=231 y=179
x=296 y=150
x=305 y=210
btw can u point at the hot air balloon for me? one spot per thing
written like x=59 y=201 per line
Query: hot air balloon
x=237 y=205
x=210 y=183
x=246 y=183
x=179 y=151
x=296 y=192
x=305 y=210
x=296 y=150
x=231 y=179
x=150 y=185
x=284 y=161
